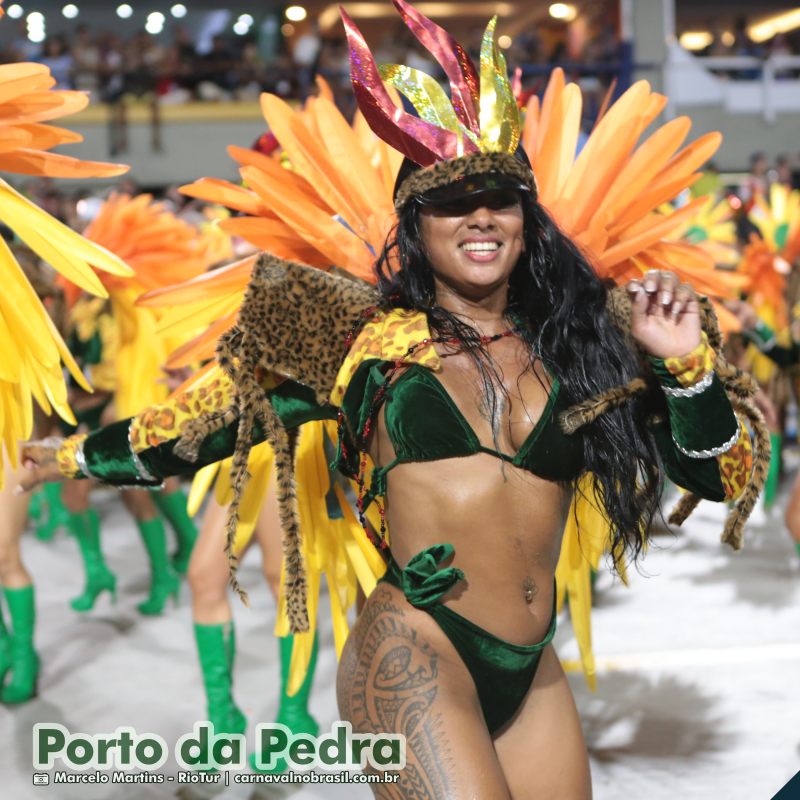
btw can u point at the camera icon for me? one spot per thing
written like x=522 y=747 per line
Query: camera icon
x=41 y=779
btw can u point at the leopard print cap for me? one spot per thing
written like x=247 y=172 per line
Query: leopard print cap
x=443 y=173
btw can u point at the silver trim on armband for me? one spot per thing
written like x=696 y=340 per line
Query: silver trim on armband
x=80 y=460
x=714 y=451
x=137 y=462
x=693 y=390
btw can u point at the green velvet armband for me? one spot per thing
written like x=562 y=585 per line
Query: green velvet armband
x=698 y=475
x=701 y=418
x=109 y=458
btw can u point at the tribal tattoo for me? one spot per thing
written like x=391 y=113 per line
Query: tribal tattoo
x=389 y=686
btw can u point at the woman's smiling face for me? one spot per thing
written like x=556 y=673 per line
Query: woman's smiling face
x=474 y=244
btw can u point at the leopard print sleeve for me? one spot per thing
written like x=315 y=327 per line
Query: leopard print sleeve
x=705 y=435
x=140 y=451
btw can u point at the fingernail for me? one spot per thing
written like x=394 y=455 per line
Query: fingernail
x=666 y=298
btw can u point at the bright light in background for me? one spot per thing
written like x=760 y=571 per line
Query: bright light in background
x=563 y=11
x=70 y=11
x=15 y=11
x=728 y=39
x=35 y=24
x=780 y=23
x=124 y=11
x=296 y=13
x=242 y=25
x=178 y=10
x=504 y=41
x=696 y=40
x=155 y=22
x=287 y=29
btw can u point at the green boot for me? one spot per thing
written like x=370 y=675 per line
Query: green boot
x=24 y=660
x=57 y=514
x=293 y=711
x=173 y=507
x=85 y=527
x=216 y=647
x=165 y=581
x=5 y=650
x=774 y=473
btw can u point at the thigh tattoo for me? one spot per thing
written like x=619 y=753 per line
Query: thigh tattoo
x=390 y=686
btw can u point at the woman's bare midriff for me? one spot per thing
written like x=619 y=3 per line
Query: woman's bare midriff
x=505 y=523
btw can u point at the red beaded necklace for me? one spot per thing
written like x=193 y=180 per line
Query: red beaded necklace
x=362 y=436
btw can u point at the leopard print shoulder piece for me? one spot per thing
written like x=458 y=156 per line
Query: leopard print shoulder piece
x=388 y=336
x=293 y=322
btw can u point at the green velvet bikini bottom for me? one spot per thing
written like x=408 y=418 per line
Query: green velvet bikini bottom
x=503 y=672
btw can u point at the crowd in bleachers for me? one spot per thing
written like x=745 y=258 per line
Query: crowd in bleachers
x=172 y=68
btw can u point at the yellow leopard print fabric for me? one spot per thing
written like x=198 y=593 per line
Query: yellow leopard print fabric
x=736 y=464
x=694 y=366
x=165 y=422
x=387 y=336
x=65 y=456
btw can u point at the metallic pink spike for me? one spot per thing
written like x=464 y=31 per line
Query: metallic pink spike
x=422 y=142
x=457 y=65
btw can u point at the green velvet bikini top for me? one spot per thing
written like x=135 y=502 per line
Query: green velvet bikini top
x=424 y=424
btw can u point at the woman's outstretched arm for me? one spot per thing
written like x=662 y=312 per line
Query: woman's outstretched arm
x=141 y=450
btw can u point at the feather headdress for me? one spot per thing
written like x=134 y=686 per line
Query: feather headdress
x=476 y=129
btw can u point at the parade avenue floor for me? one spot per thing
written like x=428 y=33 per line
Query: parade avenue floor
x=698 y=681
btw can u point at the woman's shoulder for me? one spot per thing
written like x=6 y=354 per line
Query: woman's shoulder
x=388 y=335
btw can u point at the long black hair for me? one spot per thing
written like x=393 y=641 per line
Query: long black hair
x=561 y=303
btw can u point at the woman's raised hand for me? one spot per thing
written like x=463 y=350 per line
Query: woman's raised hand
x=665 y=314
x=39 y=459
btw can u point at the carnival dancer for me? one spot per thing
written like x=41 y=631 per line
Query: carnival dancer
x=33 y=350
x=783 y=356
x=319 y=208
x=482 y=400
x=214 y=628
x=122 y=350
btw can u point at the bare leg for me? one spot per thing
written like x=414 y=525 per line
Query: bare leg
x=292 y=709
x=546 y=725
x=400 y=674
x=208 y=570
x=14 y=509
